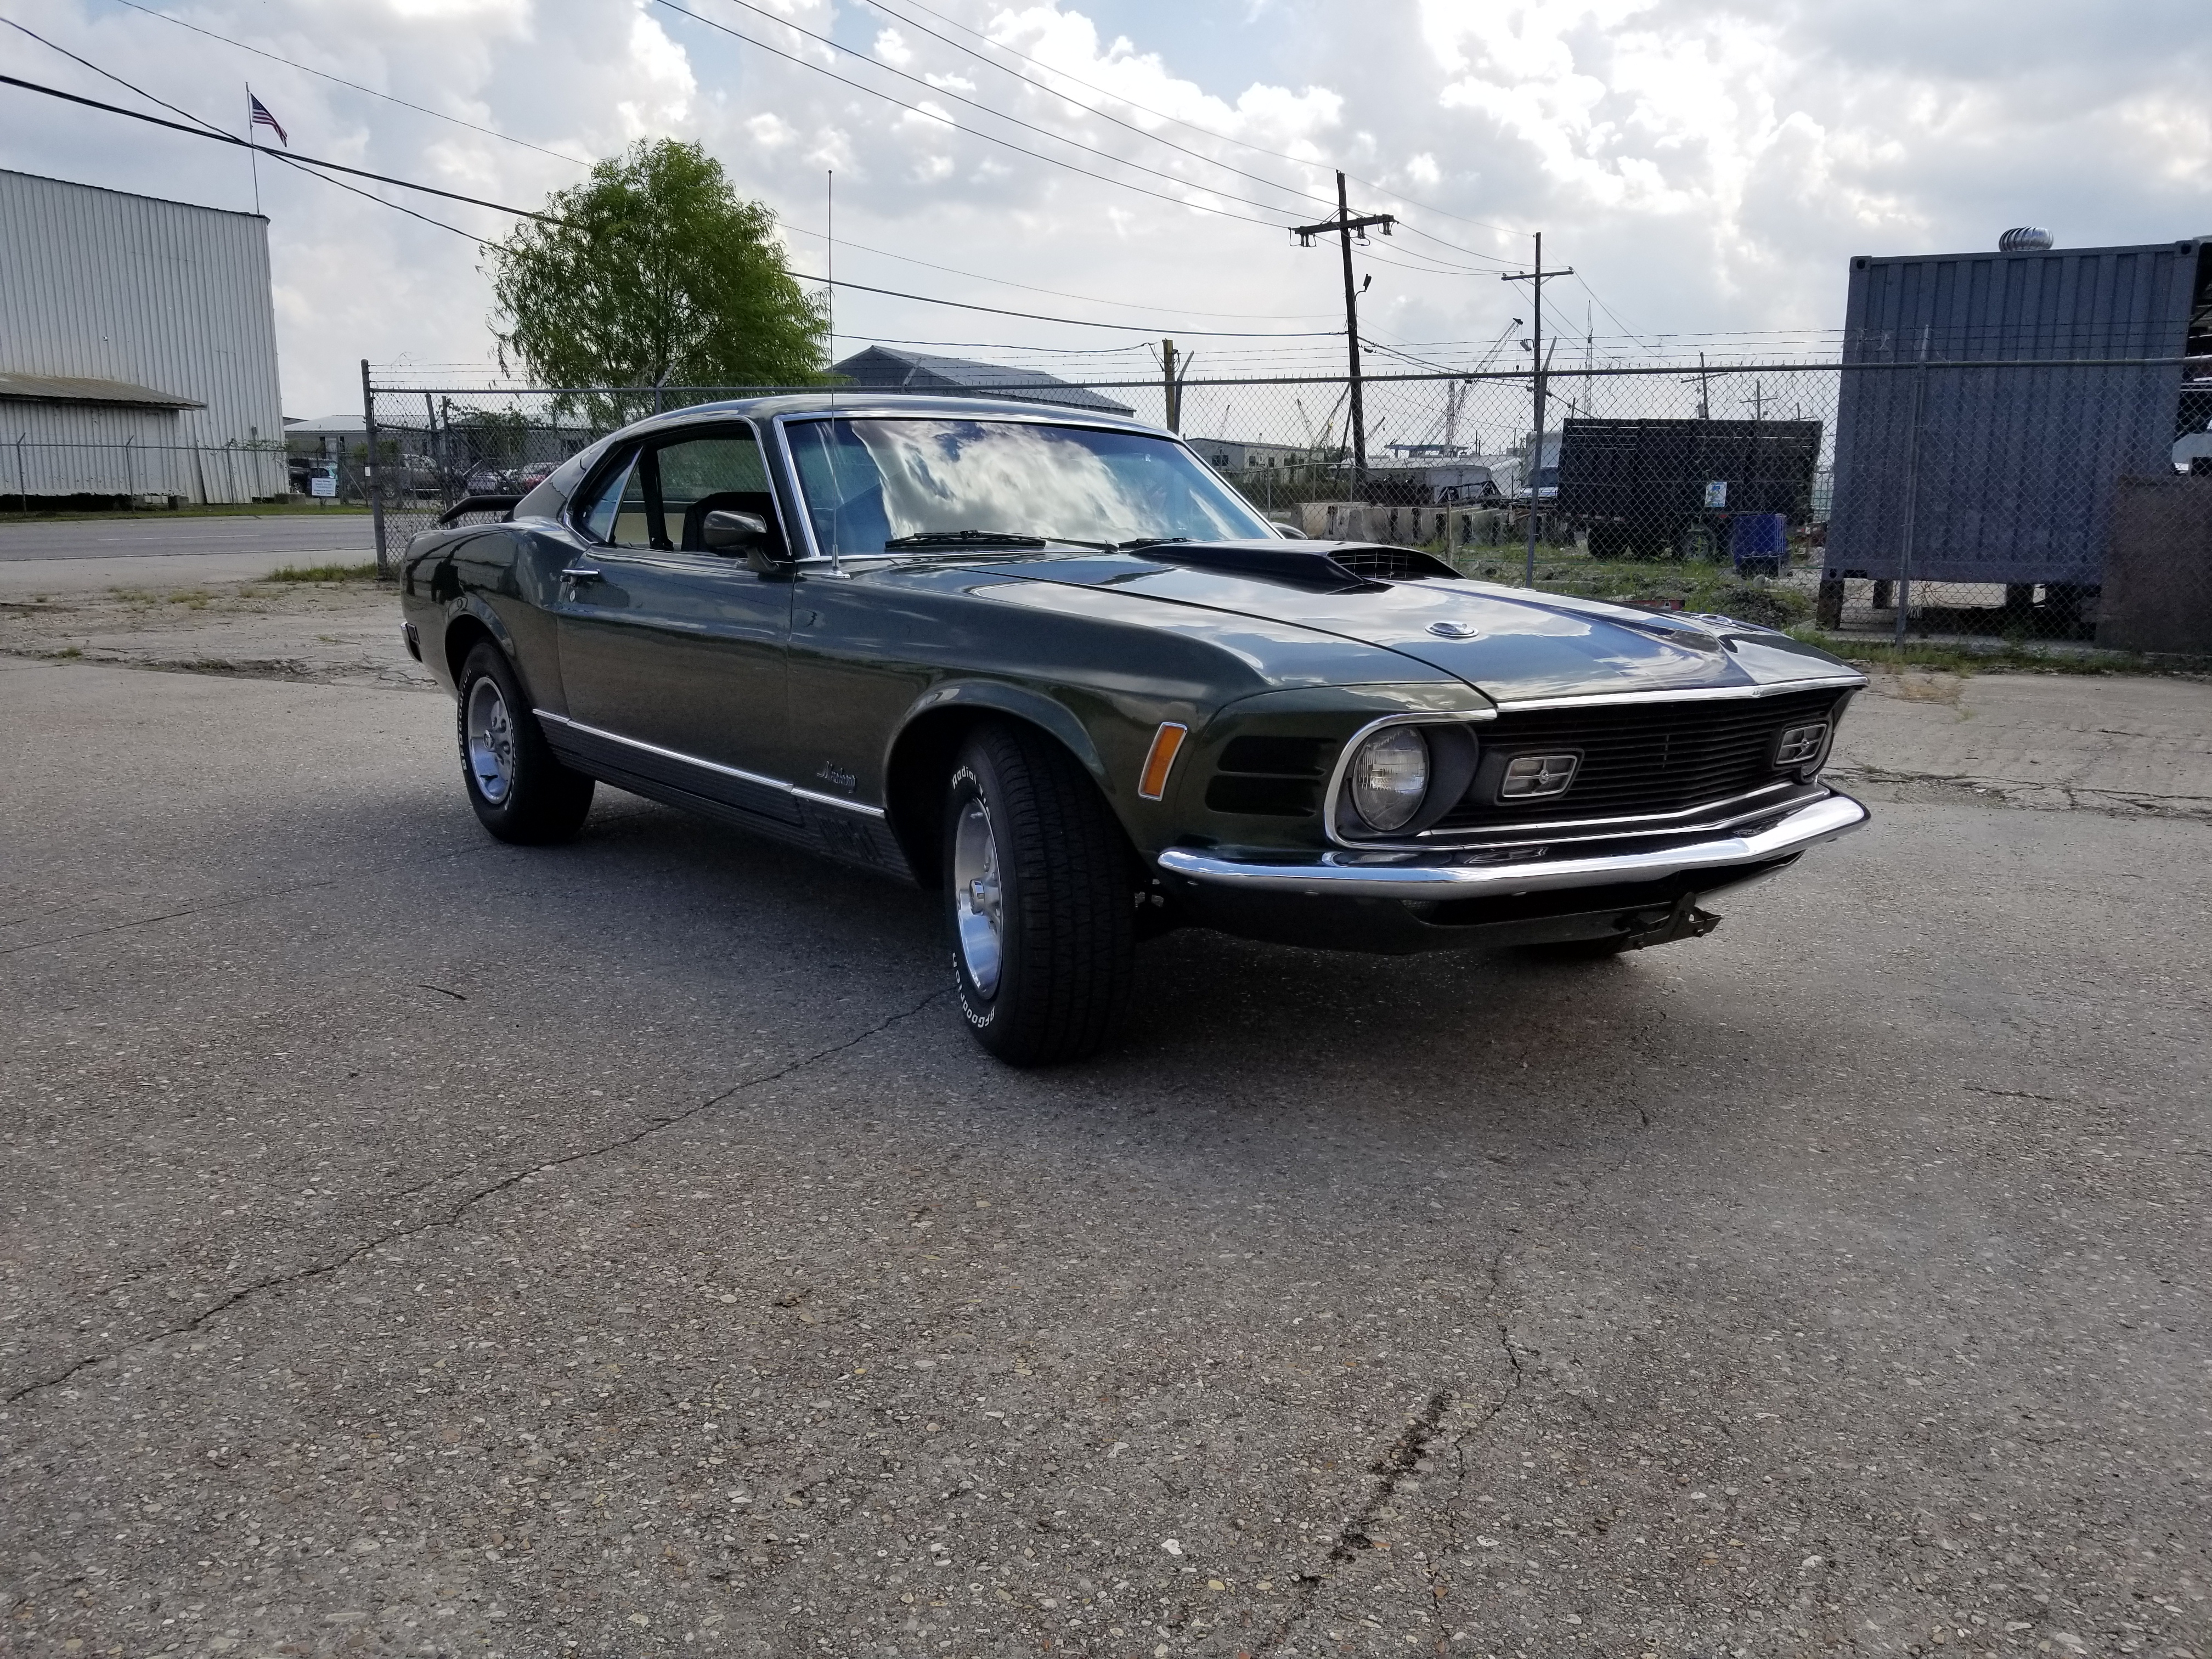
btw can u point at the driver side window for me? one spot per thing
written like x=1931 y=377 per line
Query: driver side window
x=661 y=498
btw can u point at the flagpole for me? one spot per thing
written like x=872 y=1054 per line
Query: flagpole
x=254 y=161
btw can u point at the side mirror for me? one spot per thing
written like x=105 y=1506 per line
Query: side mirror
x=725 y=532
x=740 y=535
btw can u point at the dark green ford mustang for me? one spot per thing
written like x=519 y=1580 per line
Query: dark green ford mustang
x=1051 y=665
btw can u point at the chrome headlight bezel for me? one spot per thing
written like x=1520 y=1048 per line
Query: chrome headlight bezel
x=1453 y=751
x=1387 y=783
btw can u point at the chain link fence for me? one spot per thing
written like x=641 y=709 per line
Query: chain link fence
x=2066 y=502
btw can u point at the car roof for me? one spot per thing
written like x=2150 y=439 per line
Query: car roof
x=860 y=402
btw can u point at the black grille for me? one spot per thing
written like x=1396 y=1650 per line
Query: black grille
x=1269 y=777
x=1647 y=757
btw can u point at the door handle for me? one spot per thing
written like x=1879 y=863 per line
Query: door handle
x=580 y=573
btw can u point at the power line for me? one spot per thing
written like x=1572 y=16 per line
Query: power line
x=973 y=132
x=1190 y=126
x=1057 y=294
x=998 y=345
x=1074 y=322
x=203 y=132
x=1030 y=126
x=284 y=156
x=1088 y=109
x=222 y=138
x=339 y=80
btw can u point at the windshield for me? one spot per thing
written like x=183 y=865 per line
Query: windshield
x=911 y=483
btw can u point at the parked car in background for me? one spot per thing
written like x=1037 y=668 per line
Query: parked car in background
x=1049 y=664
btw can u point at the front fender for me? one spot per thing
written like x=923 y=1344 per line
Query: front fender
x=999 y=697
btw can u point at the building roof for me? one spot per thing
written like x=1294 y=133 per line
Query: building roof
x=880 y=369
x=79 y=389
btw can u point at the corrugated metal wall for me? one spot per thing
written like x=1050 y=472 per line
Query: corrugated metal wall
x=2014 y=468
x=103 y=285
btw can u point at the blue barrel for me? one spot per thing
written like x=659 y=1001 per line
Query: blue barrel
x=1759 y=542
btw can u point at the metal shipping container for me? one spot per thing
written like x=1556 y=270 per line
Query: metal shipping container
x=1646 y=486
x=2005 y=475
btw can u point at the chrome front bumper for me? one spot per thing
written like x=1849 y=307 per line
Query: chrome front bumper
x=1427 y=877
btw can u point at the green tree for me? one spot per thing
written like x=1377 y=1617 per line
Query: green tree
x=653 y=272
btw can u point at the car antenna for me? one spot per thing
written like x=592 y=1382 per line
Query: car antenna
x=829 y=236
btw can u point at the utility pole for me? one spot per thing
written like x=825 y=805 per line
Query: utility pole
x=1171 y=388
x=1536 y=279
x=1704 y=391
x=1346 y=228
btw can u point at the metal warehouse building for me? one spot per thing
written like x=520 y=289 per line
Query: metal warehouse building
x=138 y=349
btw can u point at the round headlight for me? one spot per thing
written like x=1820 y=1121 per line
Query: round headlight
x=1389 y=777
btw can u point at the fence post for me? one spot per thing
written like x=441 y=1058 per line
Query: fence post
x=369 y=475
x=1535 y=459
x=1912 y=490
x=22 y=488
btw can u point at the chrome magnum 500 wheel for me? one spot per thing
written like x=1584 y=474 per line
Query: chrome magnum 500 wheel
x=1038 y=896
x=520 y=791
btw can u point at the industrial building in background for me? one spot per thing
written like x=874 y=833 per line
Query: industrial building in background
x=137 y=350
x=881 y=368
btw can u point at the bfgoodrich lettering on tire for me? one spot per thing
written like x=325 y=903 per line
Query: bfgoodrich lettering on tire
x=1037 y=885
x=520 y=791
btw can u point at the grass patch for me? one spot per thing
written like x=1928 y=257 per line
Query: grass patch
x=323 y=572
x=70 y=651
x=1661 y=584
x=1998 y=657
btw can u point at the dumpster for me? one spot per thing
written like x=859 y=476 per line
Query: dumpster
x=1759 y=544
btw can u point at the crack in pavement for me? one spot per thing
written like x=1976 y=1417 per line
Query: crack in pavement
x=236 y=899
x=2079 y=798
x=277 y=1281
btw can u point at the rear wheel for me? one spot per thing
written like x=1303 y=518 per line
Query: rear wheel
x=520 y=792
x=1038 y=893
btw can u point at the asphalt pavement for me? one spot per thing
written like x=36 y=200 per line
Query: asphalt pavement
x=92 y=555
x=171 y=535
x=418 y=1245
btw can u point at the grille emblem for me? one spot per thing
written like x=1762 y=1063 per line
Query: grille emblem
x=1800 y=744
x=1455 y=630
x=1533 y=777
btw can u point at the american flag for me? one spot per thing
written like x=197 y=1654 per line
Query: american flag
x=262 y=118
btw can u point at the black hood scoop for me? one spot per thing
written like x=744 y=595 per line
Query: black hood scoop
x=1323 y=567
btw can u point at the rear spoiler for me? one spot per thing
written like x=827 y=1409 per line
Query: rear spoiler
x=502 y=505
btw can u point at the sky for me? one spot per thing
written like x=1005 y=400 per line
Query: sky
x=1706 y=167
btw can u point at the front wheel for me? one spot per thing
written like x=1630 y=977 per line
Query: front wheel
x=520 y=791
x=1039 y=894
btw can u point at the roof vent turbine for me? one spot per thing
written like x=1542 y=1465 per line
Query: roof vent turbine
x=2024 y=239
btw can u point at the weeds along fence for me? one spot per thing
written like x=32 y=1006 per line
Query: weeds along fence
x=1890 y=497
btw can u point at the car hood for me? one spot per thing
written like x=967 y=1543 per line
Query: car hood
x=1509 y=643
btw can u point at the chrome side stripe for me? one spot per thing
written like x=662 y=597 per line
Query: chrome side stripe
x=716 y=766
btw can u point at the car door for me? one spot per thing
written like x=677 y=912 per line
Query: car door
x=677 y=652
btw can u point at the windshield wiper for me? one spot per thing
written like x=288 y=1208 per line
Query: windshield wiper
x=986 y=539
x=964 y=538
x=1147 y=541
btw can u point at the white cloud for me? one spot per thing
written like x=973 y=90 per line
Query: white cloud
x=1706 y=164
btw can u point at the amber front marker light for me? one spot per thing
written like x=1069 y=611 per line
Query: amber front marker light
x=1167 y=744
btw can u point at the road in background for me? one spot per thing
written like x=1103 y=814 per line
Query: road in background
x=162 y=535
x=418 y=1244
x=157 y=550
